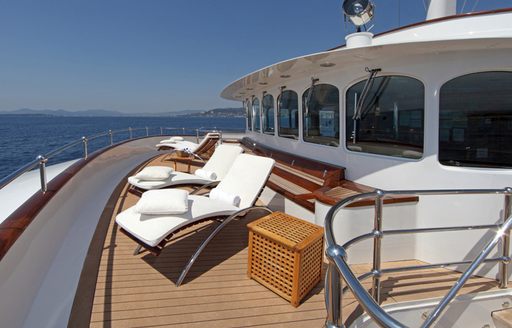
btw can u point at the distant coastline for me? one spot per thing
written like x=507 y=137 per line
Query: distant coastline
x=217 y=112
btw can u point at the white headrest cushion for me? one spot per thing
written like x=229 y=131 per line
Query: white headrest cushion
x=222 y=196
x=208 y=175
x=164 y=201
x=154 y=173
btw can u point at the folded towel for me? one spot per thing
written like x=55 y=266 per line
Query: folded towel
x=225 y=197
x=209 y=175
x=164 y=201
x=154 y=173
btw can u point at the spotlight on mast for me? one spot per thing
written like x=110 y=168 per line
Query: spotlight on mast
x=360 y=12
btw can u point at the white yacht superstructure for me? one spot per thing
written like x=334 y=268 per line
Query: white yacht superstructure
x=400 y=144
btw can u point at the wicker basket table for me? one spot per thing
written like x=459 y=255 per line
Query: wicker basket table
x=285 y=255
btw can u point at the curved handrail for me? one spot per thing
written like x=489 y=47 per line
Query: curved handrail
x=336 y=255
x=41 y=160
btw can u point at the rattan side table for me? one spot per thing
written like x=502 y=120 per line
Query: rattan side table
x=285 y=255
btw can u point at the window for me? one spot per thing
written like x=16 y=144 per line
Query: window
x=248 y=112
x=390 y=121
x=321 y=115
x=267 y=106
x=475 y=120
x=288 y=114
x=256 y=113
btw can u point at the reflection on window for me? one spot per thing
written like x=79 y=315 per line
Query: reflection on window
x=390 y=121
x=321 y=114
x=475 y=120
x=248 y=112
x=256 y=113
x=288 y=114
x=267 y=107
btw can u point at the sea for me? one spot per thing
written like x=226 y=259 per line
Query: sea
x=24 y=137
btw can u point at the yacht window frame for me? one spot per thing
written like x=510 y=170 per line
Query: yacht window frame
x=344 y=118
x=278 y=116
x=438 y=123
x=256 y=129
x=303 y=126
x=264 y=116
x=248 y=113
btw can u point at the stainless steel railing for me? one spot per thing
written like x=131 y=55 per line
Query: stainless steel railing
x=339 y=270
x=41 y=160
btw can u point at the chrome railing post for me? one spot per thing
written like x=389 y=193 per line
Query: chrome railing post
x=197 y=135
x=84 y=142
x=333 y=290
x=377 y=244
x=42 y=172
x=183 y=133
x=161 y=131
x=147 y=131
x=130 y=132
x=505 y=241
x=111 y=136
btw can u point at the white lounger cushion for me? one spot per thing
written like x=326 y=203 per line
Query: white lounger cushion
x=152 y=229
x=210 y=175
x=172 y=139
x=187 y=145
x=246 y=179
x=163 y=202
x=219 y=163
x=223 y=157
x=241 y=179
x=154 y=173
x=176 y=178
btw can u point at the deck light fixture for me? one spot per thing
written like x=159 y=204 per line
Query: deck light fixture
x=359 y=12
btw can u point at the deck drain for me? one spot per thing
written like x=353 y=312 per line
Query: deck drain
x=505 y=304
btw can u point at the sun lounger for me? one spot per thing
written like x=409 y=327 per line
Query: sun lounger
x=238 y=191
x=175 y=144
x=214 y=170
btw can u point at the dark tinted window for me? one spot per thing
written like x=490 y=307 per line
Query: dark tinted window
x=256 y=114
x=288 y=114
x=475 y=120
x=321 y=115
x=268 y=114
x=390 y=121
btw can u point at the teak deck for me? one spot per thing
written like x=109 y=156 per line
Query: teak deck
x=140 y=291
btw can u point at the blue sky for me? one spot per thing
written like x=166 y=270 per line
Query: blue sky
x=163 y=55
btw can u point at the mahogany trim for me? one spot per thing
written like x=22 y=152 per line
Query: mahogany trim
x=331 y=175
x=12 y=227
x=436 y=20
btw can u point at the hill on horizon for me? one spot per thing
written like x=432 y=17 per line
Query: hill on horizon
x=113 y=113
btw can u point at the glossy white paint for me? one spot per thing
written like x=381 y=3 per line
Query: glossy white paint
x=40 y=272
x=434 y=54
x=463 y=28
x=21 y=189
